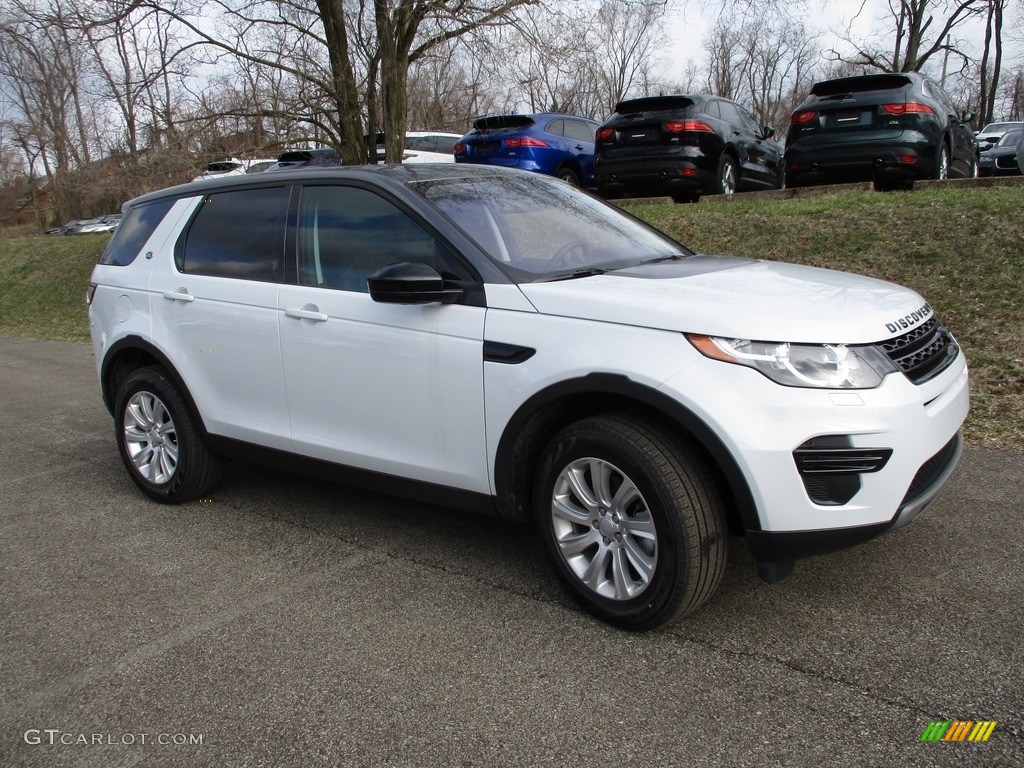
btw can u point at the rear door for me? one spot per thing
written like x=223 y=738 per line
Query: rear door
x=759 y=161
x=214 y=305
x=580 y=135
x=962 y=151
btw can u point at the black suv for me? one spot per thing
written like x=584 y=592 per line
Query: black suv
x=685 y=146
x=890 y=128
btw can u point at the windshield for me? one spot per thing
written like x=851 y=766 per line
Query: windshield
x=999 y=127
x=1009 y=139
x=539 y=228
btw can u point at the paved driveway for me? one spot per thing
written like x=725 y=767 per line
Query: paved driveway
x=288 y=622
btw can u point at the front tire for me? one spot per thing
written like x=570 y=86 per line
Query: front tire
x=631 y=520
x=159 y=441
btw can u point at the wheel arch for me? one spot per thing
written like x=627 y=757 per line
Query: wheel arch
x=131 y=353
x=573 y=166
x=544 y=414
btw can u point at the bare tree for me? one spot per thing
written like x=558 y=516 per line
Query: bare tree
x=630 y=34
x=991 y=59
x=766 y=64
x=349 y=58
x=42 y=74
x=1013 y=95
x=920 y=30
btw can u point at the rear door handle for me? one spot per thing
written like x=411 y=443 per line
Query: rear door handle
x=179 y=295
x=306 y=314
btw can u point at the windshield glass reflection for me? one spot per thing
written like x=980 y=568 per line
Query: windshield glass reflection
x=538 y=228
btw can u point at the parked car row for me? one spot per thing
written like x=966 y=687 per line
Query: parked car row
x=888 y=128
x=990 y=135
x=1004 y=157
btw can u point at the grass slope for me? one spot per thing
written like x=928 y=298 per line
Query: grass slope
x=962 y=249
x=43 y=281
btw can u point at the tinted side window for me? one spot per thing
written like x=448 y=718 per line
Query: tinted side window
x=713 y=110
x=238 y=234
x=556 y=127
x=419 y=143
x=579 y=130
x=445 y=144
x=729 y=113
x=749 y=120
x=347 y=233
x=135 y=229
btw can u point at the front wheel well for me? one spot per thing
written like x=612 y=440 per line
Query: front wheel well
x=533 y=427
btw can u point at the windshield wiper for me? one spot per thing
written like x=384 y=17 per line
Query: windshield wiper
x=670 y=257
x=585 y=272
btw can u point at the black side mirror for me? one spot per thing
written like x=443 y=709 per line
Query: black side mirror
x=966 y=116
x=767 y=132
x=410 y=282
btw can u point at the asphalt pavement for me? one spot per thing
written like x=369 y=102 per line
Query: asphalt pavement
x=290 y=622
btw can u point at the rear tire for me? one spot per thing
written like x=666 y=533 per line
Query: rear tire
x=942 y=164
x=568 y=175
x=159 y=441
x=727 y=178
x=631 y=520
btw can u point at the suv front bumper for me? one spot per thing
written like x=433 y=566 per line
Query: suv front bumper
x=762 y=424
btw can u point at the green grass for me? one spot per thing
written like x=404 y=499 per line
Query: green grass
x=962 y=249
x=43 y=281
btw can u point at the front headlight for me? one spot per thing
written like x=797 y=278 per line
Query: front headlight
x=826 y=366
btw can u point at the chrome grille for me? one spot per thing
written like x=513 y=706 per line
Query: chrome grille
x=923 y=352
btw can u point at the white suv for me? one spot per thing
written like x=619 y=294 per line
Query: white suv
x=499 y=341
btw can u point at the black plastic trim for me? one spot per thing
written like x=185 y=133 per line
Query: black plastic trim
x=617 y=385
x=140 y=344
x=509 y=354
x=771 y=546
x=379 y=482
x=768 y=546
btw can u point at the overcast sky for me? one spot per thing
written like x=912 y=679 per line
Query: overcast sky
x=689 y=21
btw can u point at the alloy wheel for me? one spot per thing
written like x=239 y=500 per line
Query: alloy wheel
x=603 y=529
x=151 y=437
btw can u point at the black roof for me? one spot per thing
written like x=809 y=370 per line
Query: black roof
x=389 y=174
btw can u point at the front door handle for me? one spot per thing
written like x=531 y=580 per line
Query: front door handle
x=306 y=314
x=179 y=295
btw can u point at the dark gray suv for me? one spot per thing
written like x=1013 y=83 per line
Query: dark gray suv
x=889 y=128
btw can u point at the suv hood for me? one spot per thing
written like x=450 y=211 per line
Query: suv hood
x=739 y=298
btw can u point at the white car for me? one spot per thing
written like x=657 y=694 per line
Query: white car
x=425 y=147
x=990 y=135
x=232 y=166
x=430 y=147
x=500 y=341
x=100 y=224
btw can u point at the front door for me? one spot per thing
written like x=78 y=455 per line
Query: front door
x=391 y=388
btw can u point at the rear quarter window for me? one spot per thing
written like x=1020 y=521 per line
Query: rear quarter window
x=135 y=229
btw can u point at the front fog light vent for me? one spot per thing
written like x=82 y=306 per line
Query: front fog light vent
x=830 y=467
